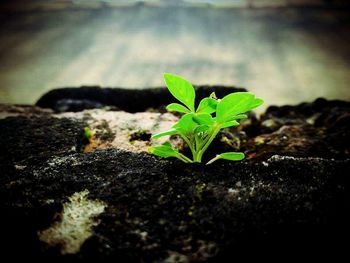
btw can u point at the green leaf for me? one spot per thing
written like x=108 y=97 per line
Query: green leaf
x=177 y=107
x=231 y=156
x=186 y=125
x=233 y=104
x=161 y=134
x=181 y=89
x=168 y=144
x=240 y=116
x=203 y=118
x=207 y=105
x=165 y=150
x=201 y=128
x=256 y=103
x=229 y=124
x=233 y=121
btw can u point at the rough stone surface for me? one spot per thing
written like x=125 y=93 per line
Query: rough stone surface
x=289 y=196
x=123 y=130
x=159 y=209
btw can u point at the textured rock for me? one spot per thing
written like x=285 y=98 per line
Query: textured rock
x=290 y=195
x=123 y=130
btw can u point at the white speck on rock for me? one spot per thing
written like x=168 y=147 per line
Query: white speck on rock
x=75 y=224
x=233 y=191
x=20 y=167
x=49 y=201
x=276 y=158
x=143 y=235
x=58 y=160
x=265 y=164
x=175 y=257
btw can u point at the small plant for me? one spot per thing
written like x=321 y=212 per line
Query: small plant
x=87 y=133
x=199 y=126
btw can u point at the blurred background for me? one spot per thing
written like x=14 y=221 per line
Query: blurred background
x=285 y=51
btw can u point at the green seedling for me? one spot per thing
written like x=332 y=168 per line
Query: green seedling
x=199 y=125
x=87 y=133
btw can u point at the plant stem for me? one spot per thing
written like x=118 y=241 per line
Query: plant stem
x=197 y=148
x=208 y=142
x=207 y=138
x=217 y=157
x=189 y=144
x=184 y=158
x=196 y=138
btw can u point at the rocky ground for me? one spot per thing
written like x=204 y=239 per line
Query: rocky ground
x=80 y=185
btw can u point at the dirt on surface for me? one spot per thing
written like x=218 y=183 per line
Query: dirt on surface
x=289 y=196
